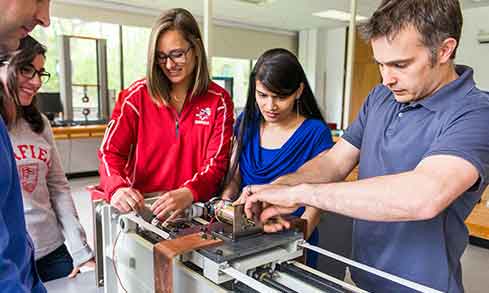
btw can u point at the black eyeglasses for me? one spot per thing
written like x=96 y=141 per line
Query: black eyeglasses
x=29 y=72
x=177 y=56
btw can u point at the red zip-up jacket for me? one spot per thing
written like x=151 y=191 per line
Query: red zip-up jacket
x=152 y=148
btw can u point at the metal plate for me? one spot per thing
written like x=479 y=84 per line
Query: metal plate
x=249 y=245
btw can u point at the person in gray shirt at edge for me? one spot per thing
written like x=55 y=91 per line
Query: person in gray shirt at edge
x=17 y=271
x=50 y=212
x=421 y=140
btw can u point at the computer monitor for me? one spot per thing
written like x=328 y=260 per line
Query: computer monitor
x=49 y=104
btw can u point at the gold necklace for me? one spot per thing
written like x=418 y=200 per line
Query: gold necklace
x=176 y=99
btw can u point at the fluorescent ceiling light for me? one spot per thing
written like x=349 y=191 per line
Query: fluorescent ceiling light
x=258 y=2
x=338 y=15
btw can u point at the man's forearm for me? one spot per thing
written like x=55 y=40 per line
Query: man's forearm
x=329 y=166
x=400 y=197
x=322 y=169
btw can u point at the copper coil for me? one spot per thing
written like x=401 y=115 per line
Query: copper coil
x=224 y=212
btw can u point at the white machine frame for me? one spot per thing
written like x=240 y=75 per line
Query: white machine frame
x=126 y=261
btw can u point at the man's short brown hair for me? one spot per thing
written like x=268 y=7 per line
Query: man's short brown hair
x=435 y=20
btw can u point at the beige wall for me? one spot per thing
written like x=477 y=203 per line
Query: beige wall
x=102 y=15
x=246 y=43
x=229 y=41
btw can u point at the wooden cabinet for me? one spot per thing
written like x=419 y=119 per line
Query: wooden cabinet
x=366 y=76
x=485 y=195
x=353 y=176
x=70 y=132
x=78 y=147
x=478 y=221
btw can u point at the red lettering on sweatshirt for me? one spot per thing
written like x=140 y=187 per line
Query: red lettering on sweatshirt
x=32 y=152
x=42 y=155
x=22 y=148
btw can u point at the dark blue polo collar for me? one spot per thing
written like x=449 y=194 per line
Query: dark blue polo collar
x=456 y=89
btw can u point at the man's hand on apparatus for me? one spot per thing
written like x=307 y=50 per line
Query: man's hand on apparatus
x=268 y=202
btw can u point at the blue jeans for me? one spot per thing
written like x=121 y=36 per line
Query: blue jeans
x=55 y=265
x=312 y=256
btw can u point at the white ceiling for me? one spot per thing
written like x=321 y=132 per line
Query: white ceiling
x=288 y=15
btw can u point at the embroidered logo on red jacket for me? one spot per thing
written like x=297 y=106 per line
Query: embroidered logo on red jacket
x=202 y=117
x=29 y=174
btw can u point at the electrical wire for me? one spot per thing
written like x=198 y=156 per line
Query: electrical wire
x=217 y=208
x=208 y=226
x=114 y=261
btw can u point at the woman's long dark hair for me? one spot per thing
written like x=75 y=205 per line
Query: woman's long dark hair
x=281 y=73
x=28 y=50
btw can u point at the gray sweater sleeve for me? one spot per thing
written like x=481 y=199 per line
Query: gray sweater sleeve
x=63 y=205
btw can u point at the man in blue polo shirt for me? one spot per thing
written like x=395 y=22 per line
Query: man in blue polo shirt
x=17 y=271
x=422 y=143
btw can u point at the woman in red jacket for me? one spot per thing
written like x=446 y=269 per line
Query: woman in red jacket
x=170 y=133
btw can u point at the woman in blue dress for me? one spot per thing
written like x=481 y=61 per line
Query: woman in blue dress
x=280 y=129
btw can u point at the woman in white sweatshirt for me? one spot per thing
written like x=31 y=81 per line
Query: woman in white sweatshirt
x=50 y=213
